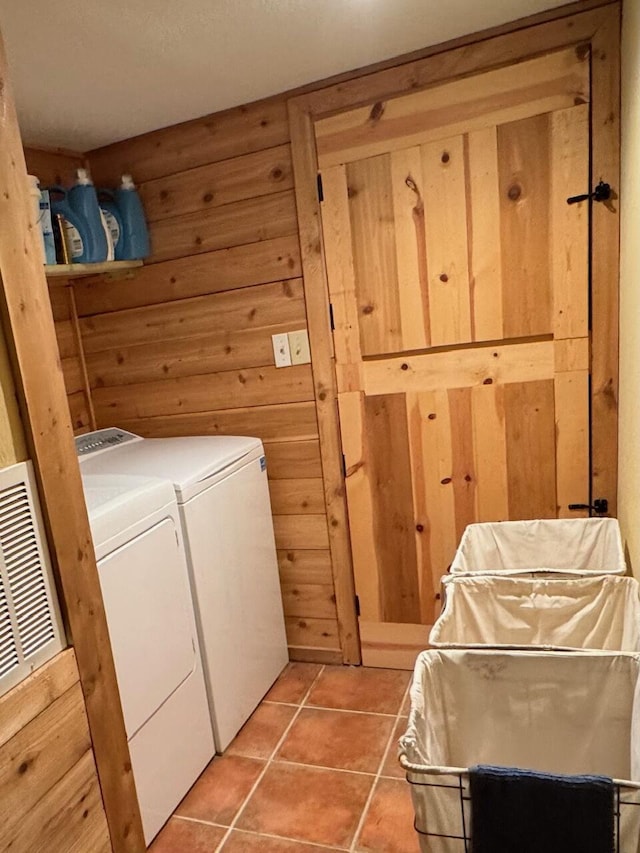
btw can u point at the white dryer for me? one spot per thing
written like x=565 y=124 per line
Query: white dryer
x=137 y=537
x=223 y=496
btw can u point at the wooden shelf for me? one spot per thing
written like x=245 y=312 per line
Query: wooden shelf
x=79 y=270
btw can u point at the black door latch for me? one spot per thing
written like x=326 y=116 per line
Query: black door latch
x=601 y=193
x=600 y=506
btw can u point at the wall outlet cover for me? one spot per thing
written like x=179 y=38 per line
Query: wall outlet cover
x=281 y=351
x=299 y=347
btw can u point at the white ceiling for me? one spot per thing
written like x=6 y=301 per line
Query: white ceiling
x=86 y=73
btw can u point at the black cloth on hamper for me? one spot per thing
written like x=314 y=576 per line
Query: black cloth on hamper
x=523 y=811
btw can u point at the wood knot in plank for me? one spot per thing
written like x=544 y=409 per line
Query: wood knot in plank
x=445 y=157
x=368 y=309
x=409 y=181
x=352 y=469
x=377 y=111
x=514 y=192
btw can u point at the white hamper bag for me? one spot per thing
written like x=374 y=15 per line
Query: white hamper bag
x=559 y=712
x=601 y=613
x=570 y=546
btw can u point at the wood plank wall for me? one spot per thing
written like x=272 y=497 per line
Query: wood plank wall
x=57 y=167
x=183 y=347
x=49 y=786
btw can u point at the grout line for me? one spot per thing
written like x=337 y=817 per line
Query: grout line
x=198 y=820
x=286 y=838
x=268 y=762
x=378 y=776
x=350 y=711
x=322 y=767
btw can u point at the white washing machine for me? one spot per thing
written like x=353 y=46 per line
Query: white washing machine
x=137 y=537
x=222 y=492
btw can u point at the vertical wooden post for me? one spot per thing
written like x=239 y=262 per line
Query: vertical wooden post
x=605 y=257
x=316 y=295
x=36 y=363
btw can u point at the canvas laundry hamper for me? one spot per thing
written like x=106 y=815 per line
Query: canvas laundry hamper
x=559 y=712
x=570 y=546
x=544 y=612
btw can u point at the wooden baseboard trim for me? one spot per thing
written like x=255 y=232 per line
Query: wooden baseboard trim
x=313 y=655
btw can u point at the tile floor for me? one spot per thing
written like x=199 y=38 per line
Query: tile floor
x=314 y=769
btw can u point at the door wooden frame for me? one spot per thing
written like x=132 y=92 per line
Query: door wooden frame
x=597 y=28
x=44 y=409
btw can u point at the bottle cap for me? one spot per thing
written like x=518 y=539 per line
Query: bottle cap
x=83 y=177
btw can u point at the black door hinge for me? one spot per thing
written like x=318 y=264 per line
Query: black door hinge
x=357 y=605
x=344 y=465
x=320 y=189
x=331 y=320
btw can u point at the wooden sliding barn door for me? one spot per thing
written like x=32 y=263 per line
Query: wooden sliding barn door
x=459 y=282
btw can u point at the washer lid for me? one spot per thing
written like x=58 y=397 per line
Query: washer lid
x=117 y=501
x=186 y=461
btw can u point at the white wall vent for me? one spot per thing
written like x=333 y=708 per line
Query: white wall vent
x=30 y=626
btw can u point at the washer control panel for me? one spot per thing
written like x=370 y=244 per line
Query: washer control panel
x=103 y=439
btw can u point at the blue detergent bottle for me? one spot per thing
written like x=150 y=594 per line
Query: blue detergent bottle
x=83 y=200
x=113 y=218
x=77 y=236
x=135 y=245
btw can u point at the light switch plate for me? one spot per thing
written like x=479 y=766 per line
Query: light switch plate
x=281 y=351
x=299 y=347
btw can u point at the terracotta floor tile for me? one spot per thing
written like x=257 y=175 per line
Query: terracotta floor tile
x=293 y=683
x=242 y=842
x=221 y=789
x=388 y=826
x=337 y=739
x=391 y=765
x=360 y=689
x=307 y=804
x=186 y=836
x=260 y=734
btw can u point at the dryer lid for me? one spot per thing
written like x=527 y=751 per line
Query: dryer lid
x=186 y=461
x=117 y=501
